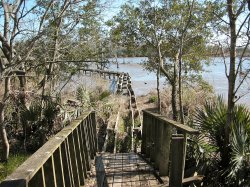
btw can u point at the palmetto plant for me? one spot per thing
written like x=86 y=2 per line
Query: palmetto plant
x=211 y=120
x=38 y=122
x=239 y=169
x=32 y=113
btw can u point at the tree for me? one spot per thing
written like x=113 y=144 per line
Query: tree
x=232 y=24
x=25 y=27
x=173 y=37
x=15 y=14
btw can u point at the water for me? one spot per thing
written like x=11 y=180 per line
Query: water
x=144 y=81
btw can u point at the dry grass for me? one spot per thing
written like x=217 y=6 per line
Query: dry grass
x=192 y=98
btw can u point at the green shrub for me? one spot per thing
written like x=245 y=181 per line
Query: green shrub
x=152 y=99
x=211 y=121
x=104 y=95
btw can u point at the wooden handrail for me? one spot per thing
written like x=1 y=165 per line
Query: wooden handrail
x=63 y=161
x=162 y=147
x=177 y=125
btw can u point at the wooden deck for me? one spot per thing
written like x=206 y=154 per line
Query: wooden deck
x=126 y=170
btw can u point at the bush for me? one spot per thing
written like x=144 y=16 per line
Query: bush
x=211 y=121
x=152 y=99
x=104 y=95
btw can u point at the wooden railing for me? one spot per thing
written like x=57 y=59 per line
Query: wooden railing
x=63 y=161
x=162 y=147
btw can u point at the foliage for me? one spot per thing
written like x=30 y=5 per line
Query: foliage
x=239 y=168
x=211 y=120
x=174 y=34
x=111 y=142
x=104 y=95
x=83 y=96
x=40 y=121
x=152 y=99
x=123 y=143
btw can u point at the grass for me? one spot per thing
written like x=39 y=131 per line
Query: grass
x=13 y=162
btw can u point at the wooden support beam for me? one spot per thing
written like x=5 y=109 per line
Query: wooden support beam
x=176 y=173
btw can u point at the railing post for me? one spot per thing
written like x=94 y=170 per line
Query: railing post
x=144 y=131
x=93 y=117
x=184 y=153
x=152 y=139
x=86 y=145
x=78 y=157
x=90 y=137
x=68 y=178
x=82 y=149
x=37 y=180
x=165 y=139
x=73 y=160
x=58 y=167
x=176 y=173
x=158 y=134
x=49 y=173
x=148 y=138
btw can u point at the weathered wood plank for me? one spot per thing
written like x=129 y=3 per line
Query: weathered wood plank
x=128 y=169
x=177 y=125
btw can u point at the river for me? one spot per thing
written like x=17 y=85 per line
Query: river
x=144 y=81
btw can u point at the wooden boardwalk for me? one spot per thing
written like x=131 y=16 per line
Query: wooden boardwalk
x=128 y=169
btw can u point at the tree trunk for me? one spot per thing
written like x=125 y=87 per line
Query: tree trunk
x=56 y=46
x=23 y=122
x=180 y=84
x=3 y=134
x=158 y=89
x=174 y=94
x=231 y=83
x=5 y=143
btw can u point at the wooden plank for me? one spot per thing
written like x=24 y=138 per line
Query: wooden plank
x=128 y=169
x=177 y=125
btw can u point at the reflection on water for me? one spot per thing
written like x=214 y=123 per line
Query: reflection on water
x=144 y=81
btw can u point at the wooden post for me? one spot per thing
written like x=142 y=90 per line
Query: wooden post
x=66 y=165
x=59 y=167
x=38 y=180
x=49 y=173
x=144 y=126
x=86 y=145
x=176 y=162
x=82 y=149
x=184 y=153
x=74 y=163
x=152 y=139
x=158 y=129
x=90 y=136
x=165 y=138
x=148 y=136
x=78 y=157
x=93 y=118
